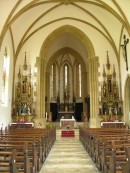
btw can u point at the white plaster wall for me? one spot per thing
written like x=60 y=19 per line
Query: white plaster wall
x=5 y=111
x=101 y=45
x=124 y=72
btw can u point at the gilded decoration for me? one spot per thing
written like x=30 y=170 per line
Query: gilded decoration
x=24 y=92
x=110 y=103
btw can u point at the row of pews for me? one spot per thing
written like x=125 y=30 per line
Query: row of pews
x=25 y=150
x=109 y=148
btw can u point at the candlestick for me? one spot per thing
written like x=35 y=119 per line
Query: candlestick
x=105 y=115
x=46 y=115
x=17 y=116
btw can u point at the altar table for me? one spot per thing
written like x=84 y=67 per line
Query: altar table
x=112 y=124
x=67 y=122
x=22 y=125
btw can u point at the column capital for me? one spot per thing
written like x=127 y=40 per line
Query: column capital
x=93 y=59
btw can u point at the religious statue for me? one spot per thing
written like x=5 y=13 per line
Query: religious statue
x=24 y=87
x=124 y=50
x=24 y=109
x=104 y=90
x=109 y=86
x=29 y=90
x=18 y=90
x=115 y=90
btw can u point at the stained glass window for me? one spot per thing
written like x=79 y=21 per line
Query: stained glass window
x=78 y=81
x=53 y=82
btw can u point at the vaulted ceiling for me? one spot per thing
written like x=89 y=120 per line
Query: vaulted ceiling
x=24 y=18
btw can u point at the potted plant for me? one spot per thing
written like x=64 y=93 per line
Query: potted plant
x=67 y=127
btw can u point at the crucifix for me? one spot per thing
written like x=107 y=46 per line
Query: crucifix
x=124 y=49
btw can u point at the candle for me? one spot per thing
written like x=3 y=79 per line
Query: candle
x=46 y=115
x=105 y=115
x=17 y=116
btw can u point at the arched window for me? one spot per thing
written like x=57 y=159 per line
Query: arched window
x=5 y=79
x=66 y=81
x=66 y=76
x=78 y=80
x=53 y=82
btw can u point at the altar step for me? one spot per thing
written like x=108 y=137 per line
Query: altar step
x=67 y=133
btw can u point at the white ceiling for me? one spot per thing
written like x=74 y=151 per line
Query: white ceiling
x=25 y=18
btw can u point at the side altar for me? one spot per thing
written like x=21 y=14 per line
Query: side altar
x=23 y=108
x=110 y=102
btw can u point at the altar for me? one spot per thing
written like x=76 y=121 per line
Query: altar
x=18 y=125
x=67 y=123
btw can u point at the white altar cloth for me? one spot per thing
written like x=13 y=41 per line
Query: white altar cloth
x=65 y=120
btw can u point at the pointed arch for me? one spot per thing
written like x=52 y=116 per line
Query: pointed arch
x=91 y=64
x=72 y=30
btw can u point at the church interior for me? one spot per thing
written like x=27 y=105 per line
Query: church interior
x=65 y=60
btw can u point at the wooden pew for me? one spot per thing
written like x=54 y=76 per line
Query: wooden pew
x=8 y=162
x=44 y=140
x=100 y=143
x=120 y=159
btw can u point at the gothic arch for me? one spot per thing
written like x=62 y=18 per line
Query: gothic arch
x=91 y=63
x=74 y=31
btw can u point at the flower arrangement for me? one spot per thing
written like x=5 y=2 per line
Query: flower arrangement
x=67 y=127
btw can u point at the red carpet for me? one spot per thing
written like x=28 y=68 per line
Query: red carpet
x=67 y=133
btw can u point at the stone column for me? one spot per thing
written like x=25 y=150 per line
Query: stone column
x=94 y=92
x=40 y=87
x=47 y=92
x=84 y=89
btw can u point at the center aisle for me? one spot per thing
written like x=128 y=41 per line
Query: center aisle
x=68 y=156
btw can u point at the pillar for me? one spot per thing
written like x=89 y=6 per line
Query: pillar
x=94 y=92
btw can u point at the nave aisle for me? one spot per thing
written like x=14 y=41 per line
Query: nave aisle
x=68 y=156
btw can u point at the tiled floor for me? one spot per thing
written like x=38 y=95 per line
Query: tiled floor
x=68 y=156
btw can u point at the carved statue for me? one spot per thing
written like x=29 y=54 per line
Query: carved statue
x=18 y=90
x=29 y=90
x=24 y=109
x=104 y=90
x=24 y=87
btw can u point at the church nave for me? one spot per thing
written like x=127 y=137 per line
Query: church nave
x=68 y=155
